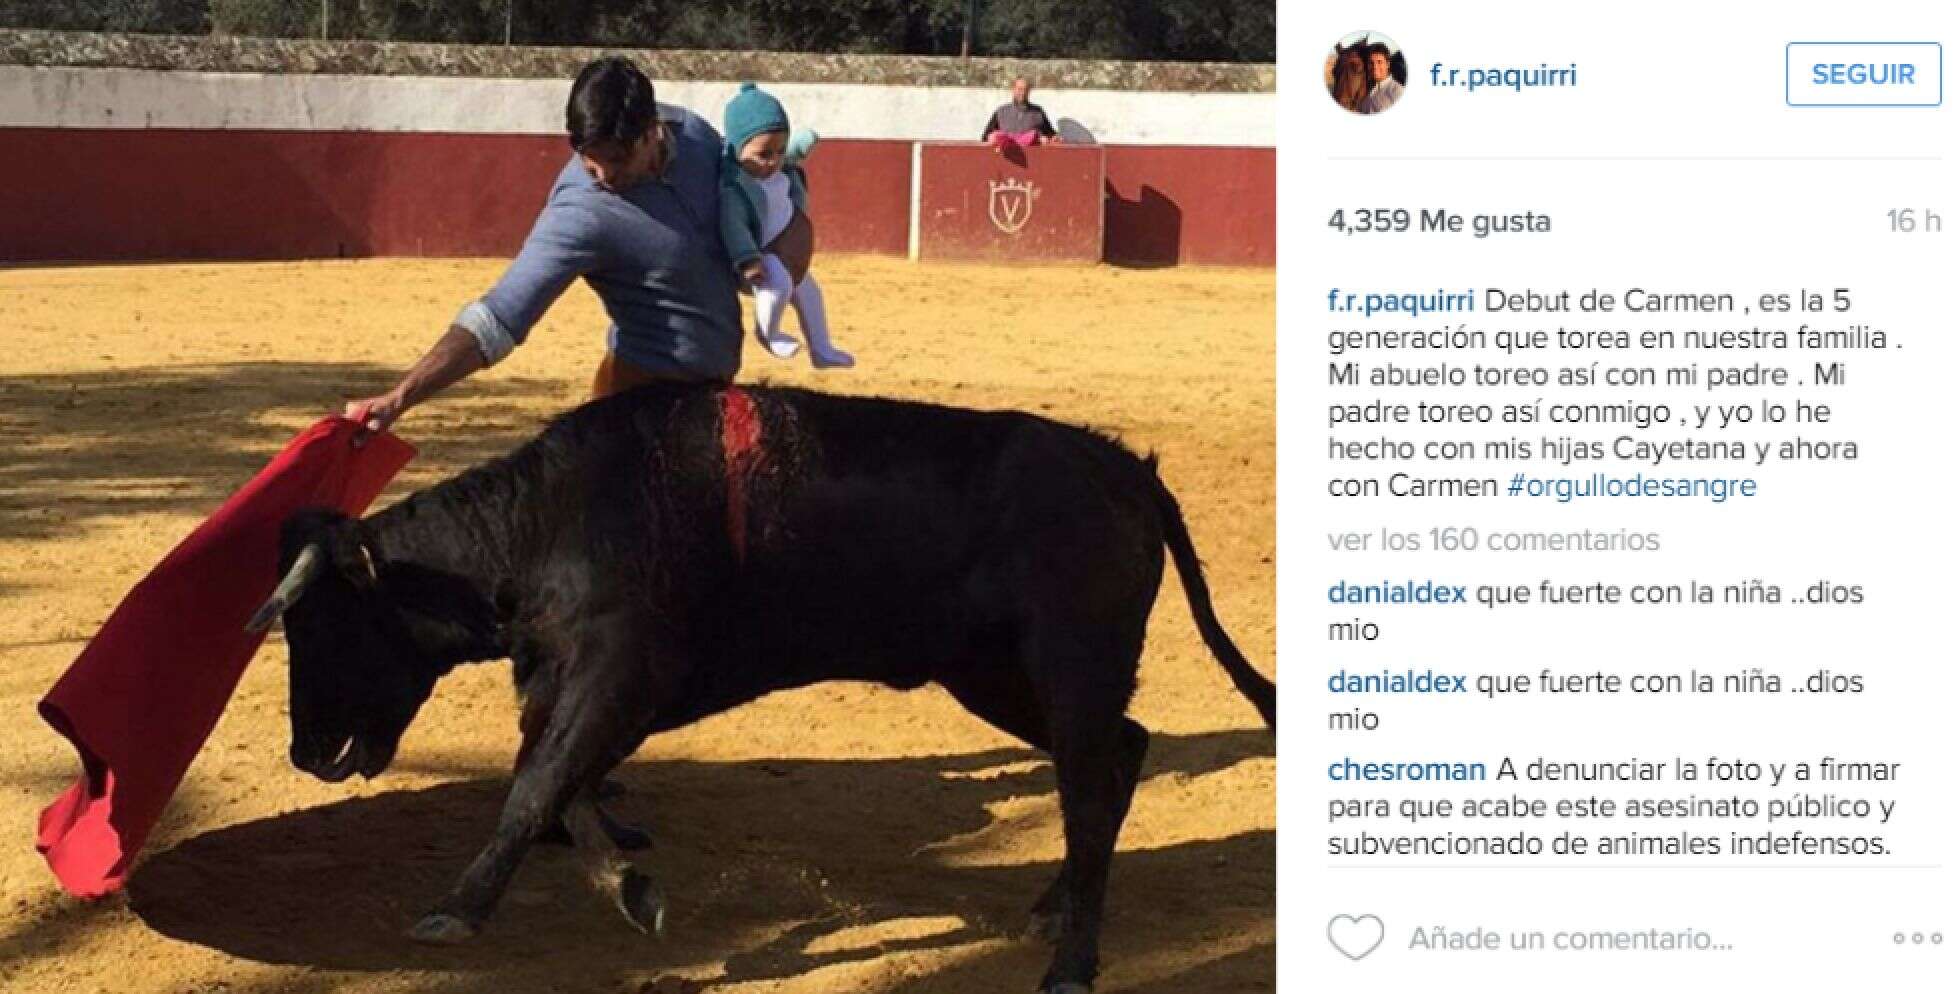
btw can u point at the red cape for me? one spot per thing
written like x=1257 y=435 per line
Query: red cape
x=146 y=692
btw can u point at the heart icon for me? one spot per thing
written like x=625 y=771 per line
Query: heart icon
x=1356 y=937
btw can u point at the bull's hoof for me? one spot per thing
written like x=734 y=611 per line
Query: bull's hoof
x=642 y=904
x=438 y=929
x=1046 y=926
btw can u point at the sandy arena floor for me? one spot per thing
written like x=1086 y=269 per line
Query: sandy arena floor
x=838 y=839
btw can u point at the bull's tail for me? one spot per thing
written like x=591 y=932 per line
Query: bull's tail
x=1256 y=688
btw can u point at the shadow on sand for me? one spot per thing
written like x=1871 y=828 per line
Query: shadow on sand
x=79 y=446
x=758 y=859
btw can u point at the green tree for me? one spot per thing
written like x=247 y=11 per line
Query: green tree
x=138 y=16
x=1208 y=30
x=264 y=18
x=456 y=21
x=1085 y=29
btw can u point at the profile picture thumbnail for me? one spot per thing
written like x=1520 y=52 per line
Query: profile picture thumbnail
x=1366 y=72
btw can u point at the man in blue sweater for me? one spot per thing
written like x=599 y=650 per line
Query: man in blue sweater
x=636 y=212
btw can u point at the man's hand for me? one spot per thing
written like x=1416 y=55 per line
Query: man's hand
x=454 y=356
x=376 y=413
x=752 y=272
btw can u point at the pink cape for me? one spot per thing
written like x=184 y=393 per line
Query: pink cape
x=146 y=692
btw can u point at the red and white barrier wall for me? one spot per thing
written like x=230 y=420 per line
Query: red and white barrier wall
x=123 y=164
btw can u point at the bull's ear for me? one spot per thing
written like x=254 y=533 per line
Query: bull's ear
x=309 y=526
x=348 y=549
x=339 y=536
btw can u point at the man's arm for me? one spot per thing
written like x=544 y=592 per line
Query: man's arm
x=1047 y=127
x=453 y=356
x=561 y=246
x=993 y=120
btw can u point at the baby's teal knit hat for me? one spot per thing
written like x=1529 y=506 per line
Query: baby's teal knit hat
x=751 y=113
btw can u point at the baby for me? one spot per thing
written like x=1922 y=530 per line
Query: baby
x=762 y=189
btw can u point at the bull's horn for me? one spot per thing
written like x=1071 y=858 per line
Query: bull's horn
x=305 y=568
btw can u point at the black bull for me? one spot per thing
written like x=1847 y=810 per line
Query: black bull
x=642 y=575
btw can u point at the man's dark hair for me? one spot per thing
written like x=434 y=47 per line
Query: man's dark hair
x=612 y=100
x=1378 y=49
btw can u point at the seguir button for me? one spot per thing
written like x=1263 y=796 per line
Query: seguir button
x=1863 y=74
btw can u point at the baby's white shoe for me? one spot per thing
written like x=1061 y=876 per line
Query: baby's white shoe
x=779 y=345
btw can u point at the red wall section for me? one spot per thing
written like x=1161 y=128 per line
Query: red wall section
x=83 y=194
x=95 y=194
x=1024 y=205
x=158 y=194
x=1205 y=205
x=861 y=195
